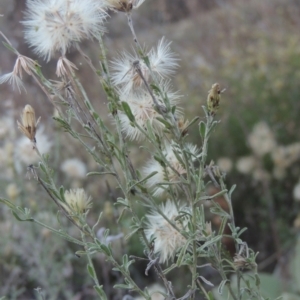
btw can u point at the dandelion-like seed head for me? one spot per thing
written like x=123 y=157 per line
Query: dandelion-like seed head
x=77 y=201
x=74 y=168
x=162 y=62
x=167 y=240
x=55 y=25
x=261 y=139
x=171 y=172
x=141 y=105
x=28 y=123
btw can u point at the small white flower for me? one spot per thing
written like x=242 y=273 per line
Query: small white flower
x=246 y=164
x=77 y=201
x=167 y=240
x=141 y=105
x=262 y=140
x=162 y=61
x=225 y=164
x=155 y=291
x=56 y=25
x=169 y=174
x=74 y=168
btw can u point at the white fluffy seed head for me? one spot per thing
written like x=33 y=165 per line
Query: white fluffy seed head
x=141 y=106
x=172 y=171
x=56 y=25
x=167 y=240
x=162 y=62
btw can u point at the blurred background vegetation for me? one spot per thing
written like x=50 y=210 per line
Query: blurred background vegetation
x=252 y=48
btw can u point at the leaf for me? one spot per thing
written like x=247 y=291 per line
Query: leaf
x=202 y=129
x=182 y=252
x=9 y=47
x=166 y=123
x=91 y=271
x=221 y=286
x=100 y=173
x=62 y=193
x=100 y=292
x=143 y=180
x=210 y=295
x=123 y=286
x=232 y=190
x=206 y=281
x=127 y=111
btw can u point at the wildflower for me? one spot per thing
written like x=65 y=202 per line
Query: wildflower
x=141 y=105
x=12 y=191
x=225 y=164
x=246 y=164
x=173 y=170
x=15 y=77
x=29 y=123
x=124 y=5
x=56 y=25
x=74 y=168
x=77 y=201
x=261 y=139
x=167 y=240
x=162 y=63
x=156 y=292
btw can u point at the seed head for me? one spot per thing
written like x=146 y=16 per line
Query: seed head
x=56 y=25
x=167 y=239
x=77 y=202
x=28 y=123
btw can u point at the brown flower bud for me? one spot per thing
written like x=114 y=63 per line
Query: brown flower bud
x=28 y=123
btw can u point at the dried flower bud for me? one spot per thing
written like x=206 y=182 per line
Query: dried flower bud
x=29 y=123
x=241 y=262
x=124 y=5
x=213 y=98
x=182 y=125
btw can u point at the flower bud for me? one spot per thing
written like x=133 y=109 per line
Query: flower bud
x=28 y=123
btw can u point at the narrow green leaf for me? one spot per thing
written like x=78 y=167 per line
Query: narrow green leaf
x=100 y=173
x=182 y=252
x=143 y=180
x=202 y=129
x=91 y=271
x=221 y=286
x=100 y=292
x=210 y=295
x=9 y=47
x=232 y=190
x=127 y=111
x=122 y=286
x=105 y=249
x=62 y=193
x=164 y=121
x=166 y=271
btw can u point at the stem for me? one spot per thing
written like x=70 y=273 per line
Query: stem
x=130 y=24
